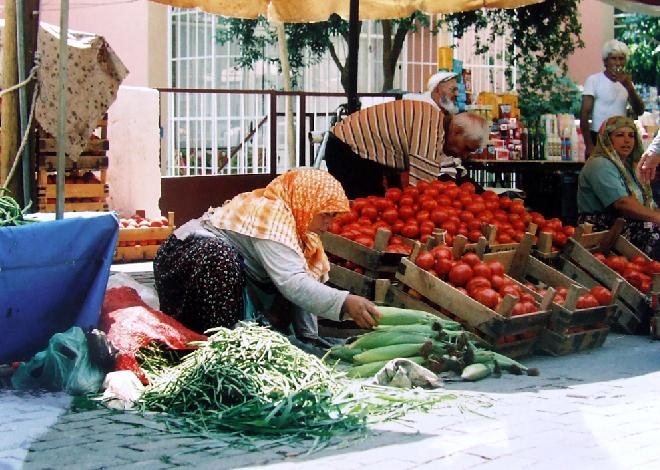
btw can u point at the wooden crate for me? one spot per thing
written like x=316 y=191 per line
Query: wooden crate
x=559 y=344
x=97 y=145
x=376 y=261
x=524 y=267
x=493 y=326
x=77 y=196
x=146 y=241
x=354 y=282
x=388 y=293
x=578 y=263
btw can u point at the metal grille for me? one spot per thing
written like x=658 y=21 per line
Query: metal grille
x=215 y=132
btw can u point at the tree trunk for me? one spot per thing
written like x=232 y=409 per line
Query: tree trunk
x=286 y=77
x=392 y=48
x=9 y=109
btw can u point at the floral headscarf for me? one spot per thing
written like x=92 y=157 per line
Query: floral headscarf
x=282 y=212
x=604 y=149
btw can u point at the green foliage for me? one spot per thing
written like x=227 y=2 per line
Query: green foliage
x=538 y=40
x=554 y=93
x=641 y=33
x=307 y=42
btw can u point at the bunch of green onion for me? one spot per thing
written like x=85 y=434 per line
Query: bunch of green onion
x=253 y=381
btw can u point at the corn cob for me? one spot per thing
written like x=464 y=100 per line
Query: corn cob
x=376 y=339
x=477 y=371
x=386 y=353
x=371 y=368
x=343 y=352
x=506 y=363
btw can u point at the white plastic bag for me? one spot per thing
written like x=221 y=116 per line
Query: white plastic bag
x=122 y=389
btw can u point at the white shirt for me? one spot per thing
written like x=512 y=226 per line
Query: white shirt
x=610 y=98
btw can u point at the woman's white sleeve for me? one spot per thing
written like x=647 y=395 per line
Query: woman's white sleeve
x=286 y=268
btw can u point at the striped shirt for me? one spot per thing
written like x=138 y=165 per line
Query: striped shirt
x=402 y=134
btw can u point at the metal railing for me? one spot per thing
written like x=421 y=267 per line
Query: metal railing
x=233 y=132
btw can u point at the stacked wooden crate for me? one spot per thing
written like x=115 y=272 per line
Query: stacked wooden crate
x=85 y=186
x=513 y=335
x=579 y=263
x=140 y=237
x=569 y=329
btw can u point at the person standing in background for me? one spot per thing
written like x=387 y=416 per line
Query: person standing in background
x=606 y=93
x=442 y=92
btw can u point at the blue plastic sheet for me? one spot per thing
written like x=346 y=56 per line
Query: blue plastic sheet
x=53 y=276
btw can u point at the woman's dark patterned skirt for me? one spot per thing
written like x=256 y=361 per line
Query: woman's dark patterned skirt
x=644 y=235
x=200 y=282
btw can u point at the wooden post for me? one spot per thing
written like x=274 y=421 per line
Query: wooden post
x=9 y=110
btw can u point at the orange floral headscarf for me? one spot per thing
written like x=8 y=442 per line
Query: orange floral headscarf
x=282 y=212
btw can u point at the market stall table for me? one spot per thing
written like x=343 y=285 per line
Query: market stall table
x=550 y=186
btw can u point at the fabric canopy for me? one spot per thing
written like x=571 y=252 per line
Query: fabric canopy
x=297 y=11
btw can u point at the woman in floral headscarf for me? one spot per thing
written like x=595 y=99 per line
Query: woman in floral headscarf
x=260 y=256
x=609 y=188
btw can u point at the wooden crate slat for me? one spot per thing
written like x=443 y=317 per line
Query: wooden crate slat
x=135 y=253
x=49 y=145
x=349 y=280
x=395 y=297
x=75 y=207
x=473 y=313
x=85 y=162
x=368 y=258
x=91 y=190
x=559 y=345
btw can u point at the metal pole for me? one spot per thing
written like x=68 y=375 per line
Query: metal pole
x=22 y=101
x=63 y=60
x=352 y=62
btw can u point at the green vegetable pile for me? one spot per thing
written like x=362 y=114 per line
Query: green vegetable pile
x=438 y=344
x=253 y=381
x=11 y=213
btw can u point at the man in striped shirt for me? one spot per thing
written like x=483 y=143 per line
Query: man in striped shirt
x=382 y=141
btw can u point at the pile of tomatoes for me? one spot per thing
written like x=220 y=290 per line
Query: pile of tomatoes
x=138 y=222
x=485 y=282
x=416 y=211
x=638 y=271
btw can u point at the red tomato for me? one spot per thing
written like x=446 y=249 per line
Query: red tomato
x=466 y=216
x=406 y=212
x=370 y=212
x=602 y=295
x=368 y=230
x=530 y=307
x=476 y=283
x=460 y=274
x=483 y=270
x=450 y=227
x=397 y=226
x=365 y=240
x=471 y=259
x=569 y=230
x=411 y=191
x=334 y=227
x=390 y=215
x=474 y=235
x=406 y=200
x=498 y=281
x=510 y=289
x=587 y=301
x=422 y=186
x=496 y=267
x=442 y=251
x=422 y=216
x=439 y=216
x=467 y=187
x=617 y=263
x=393 y=194
x=358 y=204
x=504 y=238
x=429 y=205
x=505 y=202
x=635 y=278
x=426 y=227
x=443 y=266
x=518 y=309
x=381 y=204
x=488 y=297
x=425 y=260
x=410 y=231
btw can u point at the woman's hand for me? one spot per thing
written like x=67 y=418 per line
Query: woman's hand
x=362 y=311
x=647 y=166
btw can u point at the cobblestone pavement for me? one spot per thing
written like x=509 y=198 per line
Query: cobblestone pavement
x=589 y=410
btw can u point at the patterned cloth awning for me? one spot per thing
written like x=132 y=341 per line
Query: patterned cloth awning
x=297 y=11
x=94 y=73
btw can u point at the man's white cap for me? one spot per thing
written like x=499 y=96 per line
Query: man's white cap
x=437 y=78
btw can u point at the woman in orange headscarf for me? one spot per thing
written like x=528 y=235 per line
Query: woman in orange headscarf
x=260 y=256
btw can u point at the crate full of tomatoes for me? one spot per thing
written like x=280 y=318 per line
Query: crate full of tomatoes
x=83 y=191
x=579 y=316
x=140 y=237
x=478 y=294
x=606 y=259
x=415 y=212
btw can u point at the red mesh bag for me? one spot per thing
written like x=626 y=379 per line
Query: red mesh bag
x=130 y=324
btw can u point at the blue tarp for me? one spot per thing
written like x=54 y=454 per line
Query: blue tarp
x=53 y=276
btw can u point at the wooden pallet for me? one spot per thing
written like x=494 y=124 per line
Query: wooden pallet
x=523 y=267
x=147 y=240
x=493 y=326
x=558 y=344
x=354 y=282
x=634 y=307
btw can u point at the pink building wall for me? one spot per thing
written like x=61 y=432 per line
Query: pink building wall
x=597 y=21
x=135 y=30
